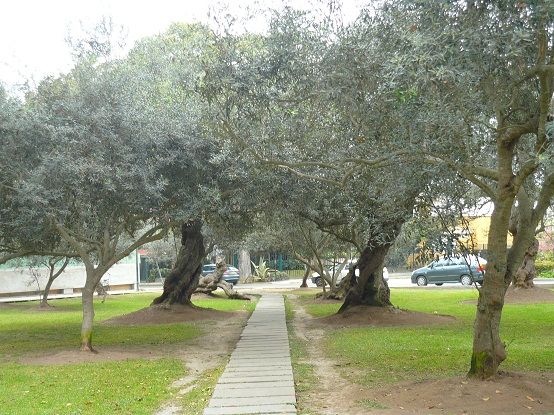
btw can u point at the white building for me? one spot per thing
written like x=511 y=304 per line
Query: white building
x=26 y=281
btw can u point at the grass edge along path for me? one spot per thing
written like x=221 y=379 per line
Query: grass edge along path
x=392 y=354
x=136 y=386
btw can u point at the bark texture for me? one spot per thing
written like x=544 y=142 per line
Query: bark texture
x=211 y=282
x=369 y=288
x=526 y=273
x=182 y=281
x=244 y=265
x=488 y=349
x=87 y=301
x=305 y=278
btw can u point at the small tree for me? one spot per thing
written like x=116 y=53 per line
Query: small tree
x=50 y=263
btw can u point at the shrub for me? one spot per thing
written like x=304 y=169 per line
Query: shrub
x=545 y=269
x=546 y=274
x=154 y=273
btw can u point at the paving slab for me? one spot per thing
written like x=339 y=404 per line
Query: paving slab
x=247 y=354
x=258 y=363
x=249 y=367
x=253 y=392
x=270 y=361
x=252 y=401
x=252 y=385
x=235 y=367
x=256 y=373
x=282 y=378
x=253 y=409
x=258 y=378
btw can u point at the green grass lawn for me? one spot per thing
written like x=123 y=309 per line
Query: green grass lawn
x=392 y=354
x=136 y=386
x=139 y=386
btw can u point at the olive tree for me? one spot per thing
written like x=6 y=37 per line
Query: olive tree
x=218 y=205
x=410 y=94
x=123 y=160
x=24 y=138
x=482 y=74
x=303 y=99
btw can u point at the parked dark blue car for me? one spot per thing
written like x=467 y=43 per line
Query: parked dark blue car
x=462 y=269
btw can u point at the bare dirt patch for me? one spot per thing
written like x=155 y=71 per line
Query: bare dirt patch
x=512 y=393
x=363 y=316
x=175 y=314
x=222 y=331
x=528 y=295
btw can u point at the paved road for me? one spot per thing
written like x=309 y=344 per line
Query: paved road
x=398 y=281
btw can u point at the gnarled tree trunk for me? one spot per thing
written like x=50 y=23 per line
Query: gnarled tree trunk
x=526 y=272
x=369 y=288
x=488 y=349
x=213 y=281
x=305 y=278
x=182 y=281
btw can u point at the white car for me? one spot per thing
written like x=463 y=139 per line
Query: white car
x=317 y=280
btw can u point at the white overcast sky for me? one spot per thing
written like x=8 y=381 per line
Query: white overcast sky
x=33 y=32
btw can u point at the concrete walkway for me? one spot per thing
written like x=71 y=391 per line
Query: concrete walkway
x=258 y=378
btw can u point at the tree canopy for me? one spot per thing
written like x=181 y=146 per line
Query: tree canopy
x=352 y=128
x=456 y=89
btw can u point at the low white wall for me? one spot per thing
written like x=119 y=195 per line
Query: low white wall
x=21 y=281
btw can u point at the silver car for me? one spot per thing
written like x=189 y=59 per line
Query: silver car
x=231 y=274
x=317 y=280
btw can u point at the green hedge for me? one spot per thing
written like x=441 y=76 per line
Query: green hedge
x=545 y=269
x=154 y=273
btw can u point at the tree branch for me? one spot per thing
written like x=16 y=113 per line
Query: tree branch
x=470 y=173
x=544 y=199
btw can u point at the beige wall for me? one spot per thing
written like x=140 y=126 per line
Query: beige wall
x=480 y=229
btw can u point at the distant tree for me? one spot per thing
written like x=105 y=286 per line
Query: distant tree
x=244 y=264
x=55 y=266
x=162 y=252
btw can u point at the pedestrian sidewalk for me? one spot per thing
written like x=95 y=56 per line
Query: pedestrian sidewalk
x=258 y=378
